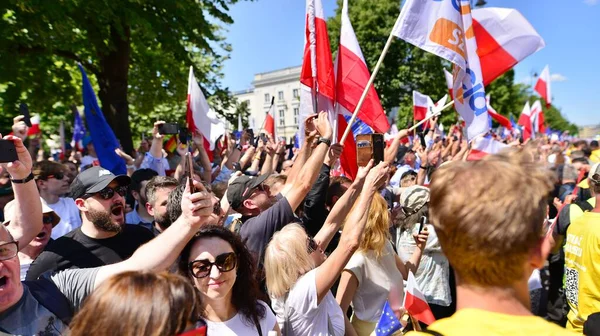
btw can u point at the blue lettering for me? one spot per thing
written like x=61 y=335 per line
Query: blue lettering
x=456 y=4
x=478 y=110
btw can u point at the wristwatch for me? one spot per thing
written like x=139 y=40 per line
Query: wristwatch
x=325 y=141
x=21 y=181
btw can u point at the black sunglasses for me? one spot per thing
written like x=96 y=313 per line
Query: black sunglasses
x=311 y=245
x=108 y=193
x=48 y=219
x=9 y=250
x=58 y=176
x=201 y=268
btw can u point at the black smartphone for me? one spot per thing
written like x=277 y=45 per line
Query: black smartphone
x=184 y=135
x=168 y=128
x=8 y=152
x=422 y=223
x=25 y=112
x=250 y=132
x=189 y=171
x=422 y=139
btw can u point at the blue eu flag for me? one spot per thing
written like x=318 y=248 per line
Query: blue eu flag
x=103 y=138
x=388 y=323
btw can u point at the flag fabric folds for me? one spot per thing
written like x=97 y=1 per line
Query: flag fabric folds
x=352 y=76
x=422 y=104
x=388 y=323
x=200 y=117
x=525 y=120
x=270 y=122
x=415 y=302
x=35 y=126
x=537 y=118
x=445 y=29
x=78 y=131
x=542 y=86
x=500 y=119
x=483 y=146
x=449 y=82
x=504 y=38
x=103 y=138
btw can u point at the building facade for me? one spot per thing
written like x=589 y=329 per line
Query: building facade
x=284 y=85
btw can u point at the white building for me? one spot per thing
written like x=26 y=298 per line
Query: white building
x=282 y=84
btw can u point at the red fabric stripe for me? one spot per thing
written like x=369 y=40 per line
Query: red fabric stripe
x=542 y=89
x=325 y=74
x=493 y=58
x=353 y=76
x=348 y=157
x=476 y=155
x=270 y=124
x=502 y=120
x=420 y=112
x=418 y=308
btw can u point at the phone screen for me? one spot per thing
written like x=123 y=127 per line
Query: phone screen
x=25 y=112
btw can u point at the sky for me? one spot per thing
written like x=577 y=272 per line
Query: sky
x=268 y=35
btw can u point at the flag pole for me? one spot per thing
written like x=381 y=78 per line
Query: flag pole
x=437 y=113
x=369 y=83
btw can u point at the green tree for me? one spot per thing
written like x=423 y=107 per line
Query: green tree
x=137 y=53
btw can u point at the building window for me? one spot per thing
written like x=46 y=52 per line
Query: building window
x=296 y=93
x=281 y=117
x=280 y=95
x=267 y=98
x=296 y=115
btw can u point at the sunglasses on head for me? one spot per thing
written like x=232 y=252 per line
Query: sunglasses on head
x=108 y=192
x=58 y=176
x=311 y=245
x=224 y=262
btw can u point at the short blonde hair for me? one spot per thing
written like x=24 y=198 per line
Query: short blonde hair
x=377 y=229
x=286 y=259
x=489 y=214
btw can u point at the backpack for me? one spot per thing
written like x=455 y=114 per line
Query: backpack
x=49 y=296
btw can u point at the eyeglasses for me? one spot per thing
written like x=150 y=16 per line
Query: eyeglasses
x=201 y=268
x=311 y=245
x=48 y=219
x=58 y=176
x=108 y=193
x=9 y=250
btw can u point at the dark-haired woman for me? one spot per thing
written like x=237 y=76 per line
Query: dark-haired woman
x=223 y=271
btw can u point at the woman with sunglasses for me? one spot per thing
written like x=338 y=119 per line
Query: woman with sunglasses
x=224 y=273
x=299 y=276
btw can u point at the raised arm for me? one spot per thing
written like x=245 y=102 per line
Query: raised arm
x=305 y=150
x=271 y=149
x=329 y=271
x=413 y=263
x=392 y=150
x=27 y=217
x=162 y=251
x=203 y=157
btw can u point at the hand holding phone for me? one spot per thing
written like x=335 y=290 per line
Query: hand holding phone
x=168 y=128
x=8 y=151
x=26 y=116
x=422 y=223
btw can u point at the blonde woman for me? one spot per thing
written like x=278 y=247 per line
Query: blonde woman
x=374 y=274
x=299 y=276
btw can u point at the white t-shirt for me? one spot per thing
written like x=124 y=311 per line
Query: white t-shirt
x=305 y=317
x=378 y=281
x=238 y=325
x=24 y=268
x=70 y=219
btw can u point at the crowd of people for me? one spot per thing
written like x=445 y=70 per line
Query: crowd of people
x=262 y=238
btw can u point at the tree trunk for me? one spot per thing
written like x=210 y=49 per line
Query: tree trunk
x=114 y=69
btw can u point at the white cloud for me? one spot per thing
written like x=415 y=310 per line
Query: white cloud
x=590 y=2
x=556 y=77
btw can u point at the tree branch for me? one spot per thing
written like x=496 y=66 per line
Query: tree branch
x=61 y=53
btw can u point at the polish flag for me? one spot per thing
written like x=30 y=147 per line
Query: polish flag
x=543 y=86
x=537 y=117
x=449 y=82
x=484 y=146
x=525 y=120
x=504 y=38
x=200 y=117
x=500 y=119
x=352 y=76
x=317 y=78
x=422 y=105
x=270 y=122
x=35 y=126
x=415 y=302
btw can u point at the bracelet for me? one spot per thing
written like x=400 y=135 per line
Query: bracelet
x=25 y=180
x=130 y=166
x=256 y=157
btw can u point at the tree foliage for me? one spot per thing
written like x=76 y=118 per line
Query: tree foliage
x=137 y=53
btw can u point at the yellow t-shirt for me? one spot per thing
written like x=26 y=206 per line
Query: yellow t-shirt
x=595 y=157
x=480 y=322
x=582 y=269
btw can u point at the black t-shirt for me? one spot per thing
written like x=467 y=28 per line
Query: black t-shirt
x=76 y=250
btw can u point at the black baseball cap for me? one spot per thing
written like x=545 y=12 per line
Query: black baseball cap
x=242 y=187
x=93 y=180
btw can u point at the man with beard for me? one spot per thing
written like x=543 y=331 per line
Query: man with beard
x=139 y=181
x=157 y=194
x=53 y=183
x=103 y=238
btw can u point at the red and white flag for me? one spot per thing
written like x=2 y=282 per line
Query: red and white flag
x=543 y=86
x=415 y=302
x=35 y=125
x=483 y=146
x=317 y=78
x=200 y=117
x=537 y=117
x=270 y=120
x=500 y=119
x=525 y=120
x=449 y=82
x=504 y=38
x=422 y=105
x=352 y=76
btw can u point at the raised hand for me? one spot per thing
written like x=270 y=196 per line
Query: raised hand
x=421 y=238
x=324 y=126
x=197 y=207
x=21 y=168
x=310 y=129
x=155 y=133
x=377 y=176
x=19 y=127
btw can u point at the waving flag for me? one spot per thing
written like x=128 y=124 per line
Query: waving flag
x=542 y=86
x=445 y=28
x=415 y=302
x=422 y=104
x=388 y=323
x=525 y=120
x=352 y=76
x=504 y=38
x=200 y=117
x=483 y=146
x=270 y=122
x=537 y=118
x=78 y=131
x=449 y=82
x=317 y=78
x=500 y=119
x=103 y=138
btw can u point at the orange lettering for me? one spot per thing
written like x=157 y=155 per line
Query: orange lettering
x=449 y=35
